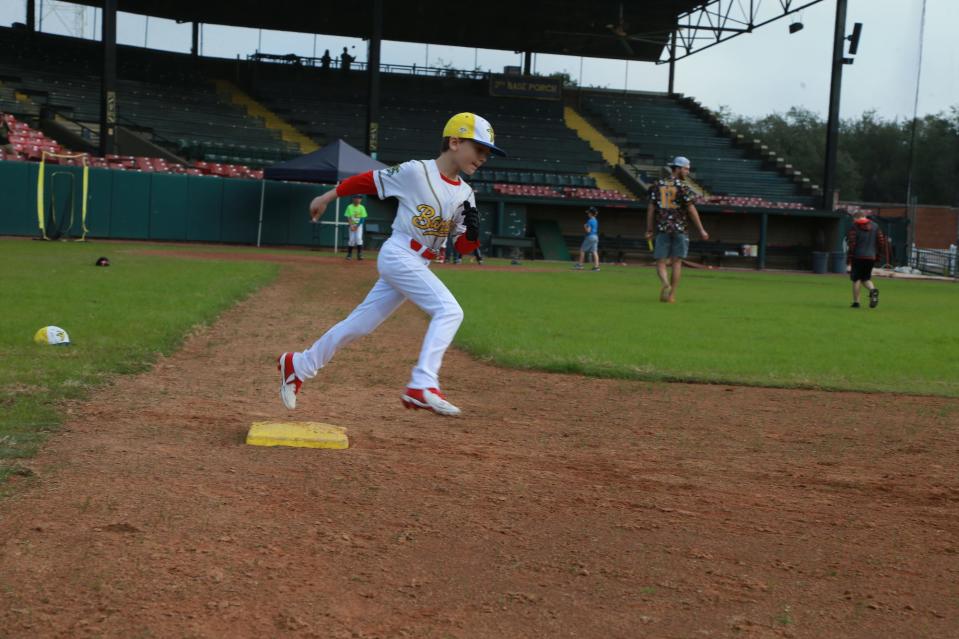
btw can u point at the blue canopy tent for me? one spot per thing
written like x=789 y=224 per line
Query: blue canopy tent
x=330 y=165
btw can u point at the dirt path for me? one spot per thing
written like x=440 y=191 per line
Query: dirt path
x=557 y=507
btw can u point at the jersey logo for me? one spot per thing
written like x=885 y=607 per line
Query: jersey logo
x=393 y=170
x=429 y=223
x=667 y=196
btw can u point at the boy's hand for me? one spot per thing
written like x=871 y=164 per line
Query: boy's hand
x=649 y=235
x=704 y=234
x=318 y=206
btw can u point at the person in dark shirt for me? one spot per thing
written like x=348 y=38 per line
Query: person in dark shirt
x=346 y=60
x=866 y=245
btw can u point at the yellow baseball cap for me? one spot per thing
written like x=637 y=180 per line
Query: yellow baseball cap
x=470 y=126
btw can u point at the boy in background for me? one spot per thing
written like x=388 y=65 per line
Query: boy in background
x=355 y=215
x=590 y=245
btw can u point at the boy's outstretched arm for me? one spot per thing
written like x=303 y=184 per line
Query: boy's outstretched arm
x=650 y=212
x=361 y=184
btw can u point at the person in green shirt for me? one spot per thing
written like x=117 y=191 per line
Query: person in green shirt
x=355 y=215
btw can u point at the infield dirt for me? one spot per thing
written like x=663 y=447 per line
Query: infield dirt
x=557 y=506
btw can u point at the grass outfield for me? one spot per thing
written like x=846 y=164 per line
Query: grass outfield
x=119 y=318
x=729 y=327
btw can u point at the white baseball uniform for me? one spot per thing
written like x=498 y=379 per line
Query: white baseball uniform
x=430 y=206
x=356 y=225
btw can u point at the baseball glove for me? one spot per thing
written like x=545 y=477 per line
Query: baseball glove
x=471 y=220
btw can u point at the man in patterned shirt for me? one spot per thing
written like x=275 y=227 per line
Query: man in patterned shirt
x=670 y=200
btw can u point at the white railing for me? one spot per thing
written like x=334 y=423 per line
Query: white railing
x=936 y=261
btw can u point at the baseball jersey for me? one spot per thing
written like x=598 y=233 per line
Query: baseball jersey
x=593 y=225
x=671 y=197
x=355 y=213
x=430 y=204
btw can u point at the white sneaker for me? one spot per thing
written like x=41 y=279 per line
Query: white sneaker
x=289 y=382
x=429 y=399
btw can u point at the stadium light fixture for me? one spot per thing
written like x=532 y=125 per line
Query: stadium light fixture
x=853 y=42
x=854 y=38
x=795 y=27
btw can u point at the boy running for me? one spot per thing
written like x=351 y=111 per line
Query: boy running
x=866 y=243
x=670 y=200
x=433 y=198
x=356 y=215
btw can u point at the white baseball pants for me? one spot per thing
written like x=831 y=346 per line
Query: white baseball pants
x=403 y=275
x=356 y=237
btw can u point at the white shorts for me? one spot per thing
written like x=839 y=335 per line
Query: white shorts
x=356 y=237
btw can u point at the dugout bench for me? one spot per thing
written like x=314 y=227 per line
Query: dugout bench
x=501 y=246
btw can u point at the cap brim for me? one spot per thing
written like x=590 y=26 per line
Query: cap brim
x=492 y=147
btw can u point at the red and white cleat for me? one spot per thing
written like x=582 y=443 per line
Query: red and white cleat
x=289 y=382
x=429 y=399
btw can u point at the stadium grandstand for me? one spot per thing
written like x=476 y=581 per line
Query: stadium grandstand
x=569 y=147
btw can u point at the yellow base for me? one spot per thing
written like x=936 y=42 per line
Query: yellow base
x=298 y=434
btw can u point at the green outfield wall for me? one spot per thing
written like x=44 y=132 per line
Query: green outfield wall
x=167 y=207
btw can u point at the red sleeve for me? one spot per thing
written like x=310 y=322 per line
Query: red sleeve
x=361 y=184
x=464 y=246
x=883 y=248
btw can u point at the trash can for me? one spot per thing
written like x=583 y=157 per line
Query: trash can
x=820 y=262
x=837 y=262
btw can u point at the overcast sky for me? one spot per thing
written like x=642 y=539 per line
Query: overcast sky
x=754 y=74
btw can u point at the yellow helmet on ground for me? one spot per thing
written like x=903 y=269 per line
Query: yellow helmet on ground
x=53 y=335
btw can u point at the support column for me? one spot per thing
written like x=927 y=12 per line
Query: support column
x=763 y=234
x=195 y=42
x=527 y=62
x=373 y=71
x=672 y=63
x=31 y=15
x=832 y=127
x=108 y=81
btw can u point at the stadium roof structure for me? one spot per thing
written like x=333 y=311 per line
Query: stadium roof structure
x=660 y=31
x=597 y=28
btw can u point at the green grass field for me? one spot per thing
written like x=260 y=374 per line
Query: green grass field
x=118 y=318
x=730 y=327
